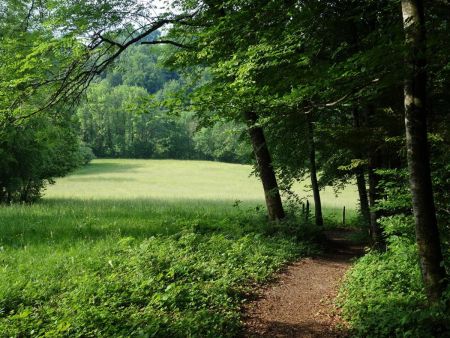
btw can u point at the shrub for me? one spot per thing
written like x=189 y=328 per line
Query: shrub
x=383 y=294
x=33 y=153
x=85 y=153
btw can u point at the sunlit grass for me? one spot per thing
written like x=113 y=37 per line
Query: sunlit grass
x=145 y=197
x=115 y=248
x=173 y=180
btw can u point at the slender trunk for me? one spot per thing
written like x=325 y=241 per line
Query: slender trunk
x=360 y=178
x=313 y=172
x=2 y=194
x=265 y=168
x=375 y=230
x=363 y=196
x=374 y=163
x=427 y=233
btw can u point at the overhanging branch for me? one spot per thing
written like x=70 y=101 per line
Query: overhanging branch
x=167 y=42
x=83 y=70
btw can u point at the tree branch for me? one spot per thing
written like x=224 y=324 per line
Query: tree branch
x=341 y=99
x=83 y=70
x=168 y=42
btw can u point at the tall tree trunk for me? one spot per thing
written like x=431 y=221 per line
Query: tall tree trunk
x=374 y=163
x=313 y=172
x=427 y=233
x=374 y=195
x=363 y=196
x=265 y=168
x=361 y=179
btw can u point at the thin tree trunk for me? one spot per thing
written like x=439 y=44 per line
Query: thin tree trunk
x=313 y=172
x=427 y=233
x=363 y=196
x=265 y=168
x=374 y=163
x=361 y=179
x=374 y=195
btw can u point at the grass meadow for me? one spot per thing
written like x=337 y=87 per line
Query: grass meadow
x=141 y=248
x=182 y=183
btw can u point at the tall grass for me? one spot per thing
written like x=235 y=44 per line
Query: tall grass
x=184 y=182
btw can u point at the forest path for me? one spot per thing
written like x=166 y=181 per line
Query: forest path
x=300 y=303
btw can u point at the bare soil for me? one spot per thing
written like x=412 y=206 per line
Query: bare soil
x=300 y=302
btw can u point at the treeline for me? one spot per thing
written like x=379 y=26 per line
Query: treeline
x=118 y=119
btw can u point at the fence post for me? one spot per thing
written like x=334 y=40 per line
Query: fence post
x=343 y=216
x=307 y=210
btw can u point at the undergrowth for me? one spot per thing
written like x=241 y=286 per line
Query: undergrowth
x=383 y=295
x=171 y=275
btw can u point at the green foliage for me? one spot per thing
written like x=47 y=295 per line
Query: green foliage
x=113 y=126
x=52 y=50
x=383 y=293
x=124 y=247
x=397 y=196
x=178 y=286
x=142 y=66
x=337 y=64
x=33 y=153
x=394 y=183
x=223 y=142
x=170 y=274
x=86 y=154
x=118 y=121
x=440 y=166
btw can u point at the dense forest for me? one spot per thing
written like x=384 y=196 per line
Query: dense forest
x=119 y=120
x=337 y=92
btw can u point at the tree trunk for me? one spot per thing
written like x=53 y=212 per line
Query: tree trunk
x=427 y=233
x=361 y=179
x=363 y=197
x=313 y=172
x=266 y=172
x=374 y=195
x=374 y=163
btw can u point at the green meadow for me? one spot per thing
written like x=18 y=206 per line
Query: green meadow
x=142 y=248
x=188 y=182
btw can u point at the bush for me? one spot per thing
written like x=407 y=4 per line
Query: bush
x=33 y=153
x=383 y=294
x=85 y=153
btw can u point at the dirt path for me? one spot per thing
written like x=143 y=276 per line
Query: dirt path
x=300 y=302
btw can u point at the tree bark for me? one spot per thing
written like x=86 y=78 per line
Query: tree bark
x=265 y=168
x=361 y=179
x=313 y=173
x=375 y=230
x=374 y=162
x=427 y=233
x=363 y=196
